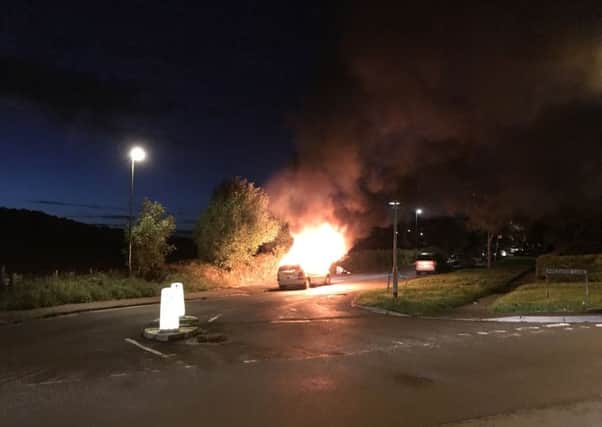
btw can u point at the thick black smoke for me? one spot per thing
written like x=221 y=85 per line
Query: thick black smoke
x=435 y=104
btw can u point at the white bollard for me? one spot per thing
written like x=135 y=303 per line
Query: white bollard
x=179 y=295
x=168 y=318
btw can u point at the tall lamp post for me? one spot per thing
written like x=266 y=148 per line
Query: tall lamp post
x=395 y=205
x=137 y=154
x=418 y=212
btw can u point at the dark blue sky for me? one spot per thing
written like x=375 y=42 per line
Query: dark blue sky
x=209 y=91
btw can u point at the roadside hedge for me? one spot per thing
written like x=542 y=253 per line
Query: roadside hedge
x=376 y=260
x=590 y=262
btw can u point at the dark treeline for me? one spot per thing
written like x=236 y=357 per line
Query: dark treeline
x=34 y=242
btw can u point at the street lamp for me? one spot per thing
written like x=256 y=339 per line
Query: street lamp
x=418 y=212
x=395 y=206
x=137 y=154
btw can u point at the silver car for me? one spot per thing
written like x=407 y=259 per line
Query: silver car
x=294 y=276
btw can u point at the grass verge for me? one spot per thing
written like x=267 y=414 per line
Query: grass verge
x=443 y=292
x=37 y=292
x=50 y=291
x=564 y=297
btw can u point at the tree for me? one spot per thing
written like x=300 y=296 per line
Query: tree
x=150 y=236
x=235 y=224
x=281 y=243
x=489 y=214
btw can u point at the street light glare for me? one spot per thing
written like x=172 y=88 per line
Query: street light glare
x=418 y=211
x=394 y=203
x=137 y=154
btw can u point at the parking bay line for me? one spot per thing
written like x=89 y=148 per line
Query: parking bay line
x=214 y=318
x=557 y=325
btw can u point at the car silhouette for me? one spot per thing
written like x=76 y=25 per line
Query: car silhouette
x=290 y=276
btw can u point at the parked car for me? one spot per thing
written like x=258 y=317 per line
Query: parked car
x=294 y=276
x=457 y=260
x=429 y=262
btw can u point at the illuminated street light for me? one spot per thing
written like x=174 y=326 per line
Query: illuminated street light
x=418 y=212
x=395 y=205
x=137 y=154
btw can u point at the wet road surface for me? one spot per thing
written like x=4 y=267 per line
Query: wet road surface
x=297 y=358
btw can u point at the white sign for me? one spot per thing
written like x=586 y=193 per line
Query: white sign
x=179 y=291
x=169 y=318
x=565 y=271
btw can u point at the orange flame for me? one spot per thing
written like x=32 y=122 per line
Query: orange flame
x=316 y=248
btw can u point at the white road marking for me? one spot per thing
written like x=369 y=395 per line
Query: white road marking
x=249 y=361
x=527 y=328
x=482 y=333
x=568 y=329
x=598 y=325
x=120 y=374
x=557 y=325
x=463 y=334
x=499 y=331
x=214 y=318
x=537 y=332
x=584 y=327
x=145 y=348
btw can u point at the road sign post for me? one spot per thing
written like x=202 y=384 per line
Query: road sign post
x=395 y=206
x=567 y=272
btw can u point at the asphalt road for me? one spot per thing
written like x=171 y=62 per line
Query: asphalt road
x=298 y=358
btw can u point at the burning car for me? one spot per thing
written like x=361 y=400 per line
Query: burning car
x=310 y=259
x=295 y=276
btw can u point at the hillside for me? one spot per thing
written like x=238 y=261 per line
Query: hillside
x=35 y=242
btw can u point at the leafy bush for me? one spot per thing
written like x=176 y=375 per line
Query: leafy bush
x=235 y=224
x=262 y=269
x=149 y=239
x=591 y=262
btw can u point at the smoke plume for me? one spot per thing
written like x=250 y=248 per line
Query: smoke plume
x=433 y=104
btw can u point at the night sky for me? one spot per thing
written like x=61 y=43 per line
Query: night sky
x=333 y=109
x=209 y=91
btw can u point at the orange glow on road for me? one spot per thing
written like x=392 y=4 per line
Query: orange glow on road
x=316 y=248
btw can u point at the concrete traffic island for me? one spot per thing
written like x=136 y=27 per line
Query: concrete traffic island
x=186 y=320
x=183 y=332
x=173 y=323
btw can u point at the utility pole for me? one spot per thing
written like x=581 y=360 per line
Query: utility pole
x=137 y=154
x=395 y=205
x=131 y=208
x=418 y=212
